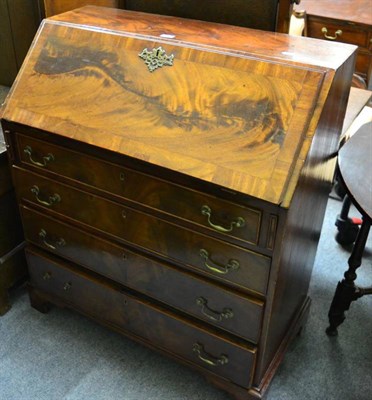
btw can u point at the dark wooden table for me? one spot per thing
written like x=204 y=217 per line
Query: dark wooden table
x=355 y=165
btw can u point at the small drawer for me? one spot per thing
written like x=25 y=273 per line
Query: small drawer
x=150 y=324
x=223 y=308
x=340 y=32
x=191 y=249
x=216 y=215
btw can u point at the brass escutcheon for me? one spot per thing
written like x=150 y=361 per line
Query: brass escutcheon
x=156 y=58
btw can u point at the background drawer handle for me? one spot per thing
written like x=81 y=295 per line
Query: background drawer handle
x=55 y=198
x=337 y=33
x=60 y=242
x=211 y=314
x=220 y=269
x=67 y=286
x=207 y=358
x=238 y=222
x=48 y=158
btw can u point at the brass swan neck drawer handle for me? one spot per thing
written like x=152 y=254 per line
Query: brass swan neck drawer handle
x=47 y=275
x=211 y=314
x=55 y=198
x=238 y=222
x=337 y=33
x=207 y=358
x=59 y=243
x=220 y=269
x=46 y=159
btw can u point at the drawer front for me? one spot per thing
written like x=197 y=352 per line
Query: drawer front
x=222 y=308
x=202 y=253
x=329 y=30
x=161 y=329
x=363 y=62
x=217 y=215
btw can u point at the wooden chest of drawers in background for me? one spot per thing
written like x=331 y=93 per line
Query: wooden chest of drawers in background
x=346 y=21
x=172 y=178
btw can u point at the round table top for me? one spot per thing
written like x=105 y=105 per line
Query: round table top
x=355 y=164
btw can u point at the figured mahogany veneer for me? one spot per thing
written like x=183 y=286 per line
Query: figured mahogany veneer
x=189 y=199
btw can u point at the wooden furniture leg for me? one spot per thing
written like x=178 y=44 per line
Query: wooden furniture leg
x=346 y=290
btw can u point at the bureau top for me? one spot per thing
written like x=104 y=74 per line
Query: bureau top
x=227 y=105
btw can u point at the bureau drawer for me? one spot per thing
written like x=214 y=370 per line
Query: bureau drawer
x=207 y=211
x=200 y=298
x=210 y=256
x=166 y=331
x=340 y=32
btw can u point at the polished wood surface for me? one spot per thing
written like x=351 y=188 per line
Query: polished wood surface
x=244 y=145
x=141 y=188
x=355 y=162
x=123 y=310
x=126 y=183
x=347 y=21
x=148 y=276
x=358 y=11
x=129 y=225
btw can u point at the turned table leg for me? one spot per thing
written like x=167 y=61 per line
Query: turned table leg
x=346 y=291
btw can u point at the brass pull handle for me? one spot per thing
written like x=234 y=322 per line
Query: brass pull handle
x=48 y=158
x=47 y=276
x=207 y=358
x=67 y=286
x=238 y=222
x=220 y=269
x=211 y=314
x=60 y=242
x=337 y=33
x=55 y=198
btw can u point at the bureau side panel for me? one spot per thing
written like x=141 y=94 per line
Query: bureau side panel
x=300 y=229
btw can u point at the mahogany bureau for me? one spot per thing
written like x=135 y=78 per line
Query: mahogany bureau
x=172 y=177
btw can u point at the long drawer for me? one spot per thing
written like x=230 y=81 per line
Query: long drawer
x=210 y=256
x=223 y=308
x=151 y=324
x=223 y=217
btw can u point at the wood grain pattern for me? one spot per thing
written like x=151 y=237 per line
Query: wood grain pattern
x=241 y=118
x=150 y=277
x=142 y=189
x=129 y=313
x=237 y=123
x=357 y=11
x=150 y=233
